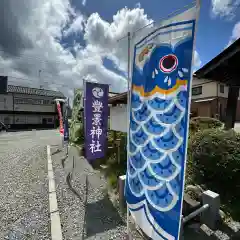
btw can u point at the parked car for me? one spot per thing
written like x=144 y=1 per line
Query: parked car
x=3 y=127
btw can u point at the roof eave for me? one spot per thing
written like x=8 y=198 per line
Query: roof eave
x=219 y=59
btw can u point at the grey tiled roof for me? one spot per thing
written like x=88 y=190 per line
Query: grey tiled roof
x=34 y=91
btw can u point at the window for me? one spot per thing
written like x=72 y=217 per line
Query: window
x=20 y=101
x=32 y=101
x=197 y=90
x=221 y=88
x=6 y=120
x=37 y=101
x=46 y=102
x=49 y=120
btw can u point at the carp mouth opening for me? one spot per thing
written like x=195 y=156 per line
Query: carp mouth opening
x=168 y=63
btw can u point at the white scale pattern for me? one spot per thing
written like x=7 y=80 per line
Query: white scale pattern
x=144 y=176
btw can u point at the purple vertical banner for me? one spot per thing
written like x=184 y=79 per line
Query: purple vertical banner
x=96 y=120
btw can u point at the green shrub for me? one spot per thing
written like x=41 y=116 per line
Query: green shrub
x=214 y=160
x=77 y=133
x=200 y=123
x=116 y=167
x=112 y=180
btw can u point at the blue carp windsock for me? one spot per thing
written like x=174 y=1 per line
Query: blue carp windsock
x=158 y=131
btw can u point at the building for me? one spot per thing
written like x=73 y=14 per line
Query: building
x=24 y=107
x=224 y=68
x=209 y=99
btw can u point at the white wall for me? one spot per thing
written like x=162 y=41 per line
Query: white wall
x=197 y=81
x=6 y=102
x=118 y=118
x=209 y=89
x=33 y=107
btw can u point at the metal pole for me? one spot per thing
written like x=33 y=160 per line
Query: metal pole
x=129 y=52
x=195 y=213
x=128 y=108
x=84 y=113
x=190 y=96
x=67 y=120
x=128 y=227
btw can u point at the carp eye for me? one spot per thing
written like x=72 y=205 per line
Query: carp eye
x=168 y=63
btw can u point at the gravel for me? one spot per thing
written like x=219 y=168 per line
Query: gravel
x=88 y=213
x=24 y=186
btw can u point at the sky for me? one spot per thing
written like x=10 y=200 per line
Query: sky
x=57 y=43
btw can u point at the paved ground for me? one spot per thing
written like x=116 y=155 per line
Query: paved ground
x=24 y=185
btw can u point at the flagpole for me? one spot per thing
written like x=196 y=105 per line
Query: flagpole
x=67 y=124
x=84 y=116
x=198 y=5
x=128 y=111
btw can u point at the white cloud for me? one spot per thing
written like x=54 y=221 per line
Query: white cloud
x=197 y=61
x=84 y=2
x=39 y=27
x=235 y=33
x=38 y=31
x=105 y=36
x=225 y=8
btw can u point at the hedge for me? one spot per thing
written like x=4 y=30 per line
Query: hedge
x=214 y=159
x=200 y=123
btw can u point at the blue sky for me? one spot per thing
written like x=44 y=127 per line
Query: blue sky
x=214 y=30
x=72 y=40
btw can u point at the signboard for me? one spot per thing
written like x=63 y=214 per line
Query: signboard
x=158 y=131
x=95 y=120
x=61 y=130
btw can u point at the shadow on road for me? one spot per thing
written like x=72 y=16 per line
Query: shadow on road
x=101 y=216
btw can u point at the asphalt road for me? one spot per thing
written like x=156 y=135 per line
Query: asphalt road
x=24 y=207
